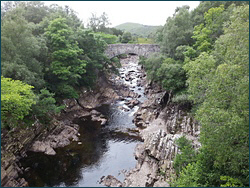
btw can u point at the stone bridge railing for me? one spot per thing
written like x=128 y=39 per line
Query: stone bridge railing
x=138 y=49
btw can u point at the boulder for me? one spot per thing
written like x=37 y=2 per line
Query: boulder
x=110 y=181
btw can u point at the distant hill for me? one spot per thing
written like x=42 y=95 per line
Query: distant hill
x=138 y=29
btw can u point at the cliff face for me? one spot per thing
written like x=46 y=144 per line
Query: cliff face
x=14 y=145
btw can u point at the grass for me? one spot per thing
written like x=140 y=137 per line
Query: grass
x=145 y=41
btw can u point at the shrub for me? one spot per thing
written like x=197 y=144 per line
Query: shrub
x=16 y=101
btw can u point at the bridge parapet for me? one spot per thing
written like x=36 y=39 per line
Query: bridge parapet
x=145 y=50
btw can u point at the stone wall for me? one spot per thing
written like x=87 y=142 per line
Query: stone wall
x=138 y=49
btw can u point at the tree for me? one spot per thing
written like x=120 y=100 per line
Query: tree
x=35 y=11
x=16 y=101
x=189 y=177
x=98 y=23
x=45 y=105
x=205 y=34
x=186 y=156
x=20 y=50
x=126 y=37
x=219 y=82
x=104 y=22
x=94 y=47
x=66 y=65
x=166 y=71
x=108 y=38
x=200 y=73
x=115 y=31
x=171 y=75
x=177 y=31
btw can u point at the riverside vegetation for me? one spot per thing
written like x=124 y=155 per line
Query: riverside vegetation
x=47 y=55
x=205 y=62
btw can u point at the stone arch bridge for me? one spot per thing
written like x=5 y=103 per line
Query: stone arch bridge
x=139 y=49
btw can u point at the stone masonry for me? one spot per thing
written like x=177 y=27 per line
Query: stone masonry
x=138 y=49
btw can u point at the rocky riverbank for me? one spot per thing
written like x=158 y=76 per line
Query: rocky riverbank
x=62 y=130
x=160 y=124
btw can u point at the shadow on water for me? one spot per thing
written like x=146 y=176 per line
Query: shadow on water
x=100 y=151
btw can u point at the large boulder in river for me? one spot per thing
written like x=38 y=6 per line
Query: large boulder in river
x=132 y=103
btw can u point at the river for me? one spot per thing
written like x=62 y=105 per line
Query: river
x=108 y=150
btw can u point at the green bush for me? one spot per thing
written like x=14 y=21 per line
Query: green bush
x=108 y=38
x=45 y=105
x=187 y=155
x=66 y=91
x=166 y=71
x=16 y=101
x=189 y=177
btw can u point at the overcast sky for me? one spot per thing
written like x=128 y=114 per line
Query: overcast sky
x=143 y=12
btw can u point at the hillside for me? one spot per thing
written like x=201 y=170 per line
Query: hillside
x=138 y=29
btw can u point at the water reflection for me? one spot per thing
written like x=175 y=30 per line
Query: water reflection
x=103 y=151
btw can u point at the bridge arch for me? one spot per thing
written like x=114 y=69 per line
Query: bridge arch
x=140 y=49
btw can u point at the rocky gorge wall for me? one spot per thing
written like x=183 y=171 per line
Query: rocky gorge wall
x=159 y=127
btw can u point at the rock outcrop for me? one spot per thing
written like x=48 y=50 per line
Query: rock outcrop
x=14 y=145
x=61 y=136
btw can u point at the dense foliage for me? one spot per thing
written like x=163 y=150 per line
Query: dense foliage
x=16 y=101
x=49 y=54
x=205 y=61
x=166 y=71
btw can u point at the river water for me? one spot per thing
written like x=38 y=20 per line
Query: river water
x=99 y=152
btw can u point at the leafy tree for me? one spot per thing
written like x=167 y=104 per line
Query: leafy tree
x=205 y=34
x=53 y=12
x=66 y=65
x=115 y=31
x=98 y=23
x=152 y=64
x=186 y=156
x=108 y=38
x=126 y=37
x=197 y=14
x=231 y=182
x=104 y=22
x=177 y=31
x=166 y=71
x=200 y=73
x=8 y=6
x=45 y=105
x=34 y=11
x=189 y=177
x=171 y=75
x=94 y=47
x=16 y=101
x=20 y=51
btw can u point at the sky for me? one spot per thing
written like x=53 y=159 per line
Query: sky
x=143 y=12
